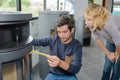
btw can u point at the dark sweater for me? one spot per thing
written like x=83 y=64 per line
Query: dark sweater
x=61 y=50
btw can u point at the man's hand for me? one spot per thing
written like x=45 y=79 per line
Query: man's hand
x=53 y=61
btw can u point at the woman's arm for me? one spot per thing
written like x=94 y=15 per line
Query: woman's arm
x=107 y=52
x=117 y=52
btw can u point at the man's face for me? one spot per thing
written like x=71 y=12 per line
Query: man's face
x=65 y=34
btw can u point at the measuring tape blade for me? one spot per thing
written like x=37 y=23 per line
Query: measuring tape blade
x=40 y=53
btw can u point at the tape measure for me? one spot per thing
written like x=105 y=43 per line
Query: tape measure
x=40 y=53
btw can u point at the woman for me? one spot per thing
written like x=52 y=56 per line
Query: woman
x=102 y=23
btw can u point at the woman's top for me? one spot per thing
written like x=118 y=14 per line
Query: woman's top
x=111 y=30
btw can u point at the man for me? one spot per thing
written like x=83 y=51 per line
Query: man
x=65 y=51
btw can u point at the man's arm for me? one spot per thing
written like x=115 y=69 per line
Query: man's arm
x=43 y=41
x=71 y=64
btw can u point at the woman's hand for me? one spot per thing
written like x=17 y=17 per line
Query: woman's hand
x=117 y=52
x=53 y=61
x=116 y=56
x=111 y=56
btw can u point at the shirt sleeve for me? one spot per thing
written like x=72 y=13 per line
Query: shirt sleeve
x=114 y=31
x=44 y=41
x=95 y=35
x=75 y=66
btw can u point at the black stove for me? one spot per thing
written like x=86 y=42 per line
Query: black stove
x=15 y=44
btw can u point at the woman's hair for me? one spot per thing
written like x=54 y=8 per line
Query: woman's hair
x=99 y=14
x=65 y=20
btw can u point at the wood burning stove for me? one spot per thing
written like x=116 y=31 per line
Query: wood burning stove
x=15 y=44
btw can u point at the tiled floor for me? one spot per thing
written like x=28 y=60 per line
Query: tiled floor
x=93 y=61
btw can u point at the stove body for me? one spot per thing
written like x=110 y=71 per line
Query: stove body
x=15 y=45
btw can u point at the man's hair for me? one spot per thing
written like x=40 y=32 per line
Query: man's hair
x=65 y=20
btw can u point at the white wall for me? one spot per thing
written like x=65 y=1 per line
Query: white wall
x=34 y=33
x=108 y=4
x=98 y=1
x=80 y=6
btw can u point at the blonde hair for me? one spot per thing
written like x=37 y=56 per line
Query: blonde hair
x=99 y=14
